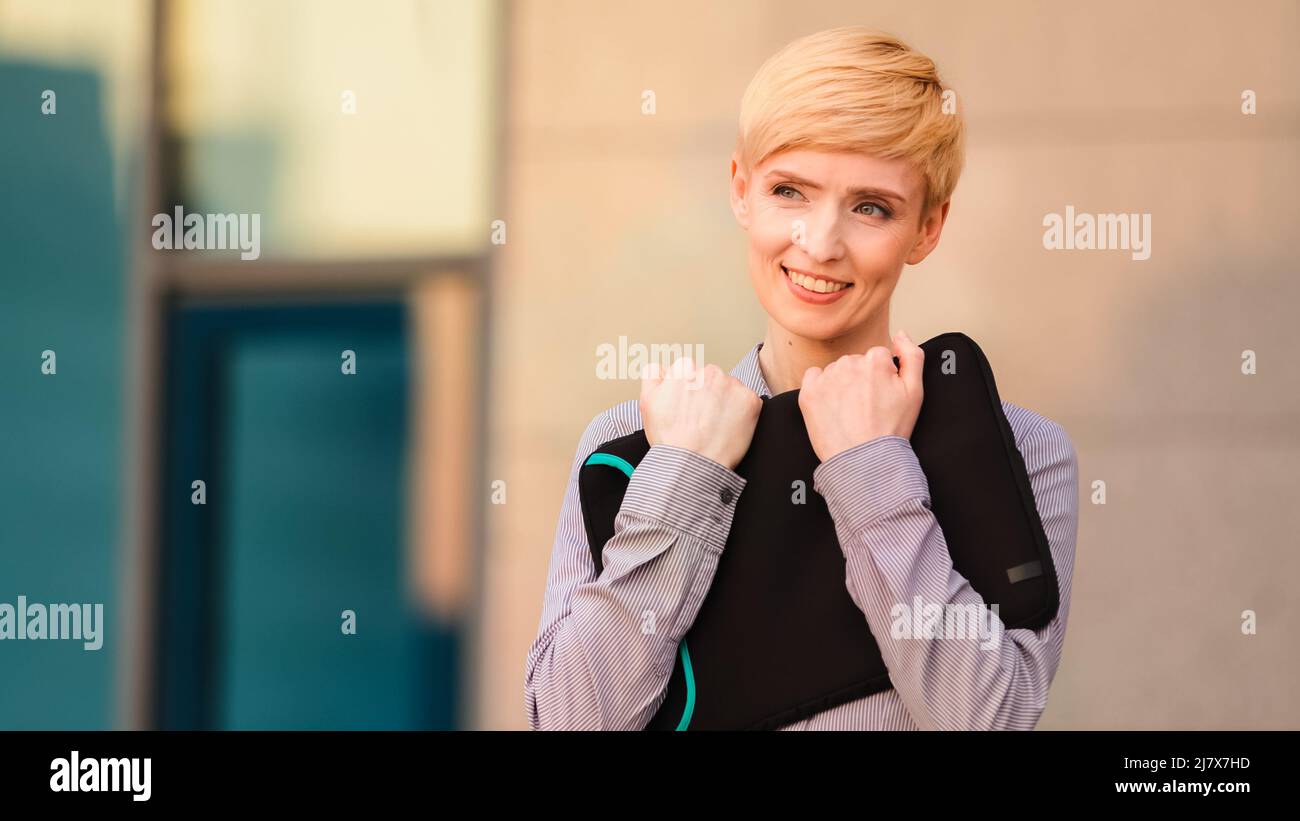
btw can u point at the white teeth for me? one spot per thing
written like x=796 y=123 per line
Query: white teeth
x=820 y=286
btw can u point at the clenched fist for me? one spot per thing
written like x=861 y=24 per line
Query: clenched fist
x=860 y=397
x=704 y=410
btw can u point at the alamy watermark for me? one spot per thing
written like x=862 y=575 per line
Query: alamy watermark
x=71 y=622
x=628 y=361
x=208 y=232
x=958 y=622
x=1087 y=232
x=77 y=774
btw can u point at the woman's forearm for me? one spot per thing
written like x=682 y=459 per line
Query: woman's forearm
x=607 y=642
x=897 y=556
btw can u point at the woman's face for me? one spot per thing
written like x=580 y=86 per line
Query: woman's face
x=829 y=234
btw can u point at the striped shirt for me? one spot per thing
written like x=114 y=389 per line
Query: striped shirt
x=595 y=665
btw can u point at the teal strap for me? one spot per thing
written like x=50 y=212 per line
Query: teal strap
x=690 y=689
x=611 y=460
x=626 y=466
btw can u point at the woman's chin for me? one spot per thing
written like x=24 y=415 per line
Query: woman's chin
x=814 y=328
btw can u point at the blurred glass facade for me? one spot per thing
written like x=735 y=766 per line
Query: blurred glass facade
x=66 y=181
x=355 y=129
x=364 y=136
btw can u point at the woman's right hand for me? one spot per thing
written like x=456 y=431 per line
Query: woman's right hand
x=703 y=410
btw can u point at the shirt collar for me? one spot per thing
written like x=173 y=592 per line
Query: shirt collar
x=750 y=374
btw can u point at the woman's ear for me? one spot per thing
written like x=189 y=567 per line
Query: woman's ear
x=931 y=228
x=739 y=187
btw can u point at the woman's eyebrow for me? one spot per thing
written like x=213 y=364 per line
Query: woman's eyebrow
x=857 y=192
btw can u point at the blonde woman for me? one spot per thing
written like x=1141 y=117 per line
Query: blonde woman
x=843 y=173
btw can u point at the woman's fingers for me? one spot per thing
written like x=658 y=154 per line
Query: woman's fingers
x=652 y=375
x=911 y=362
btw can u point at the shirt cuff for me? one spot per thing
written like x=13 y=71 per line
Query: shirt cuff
x=686 y=491
x=867 y=481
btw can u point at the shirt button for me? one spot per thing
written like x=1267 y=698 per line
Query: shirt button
x=726 y=495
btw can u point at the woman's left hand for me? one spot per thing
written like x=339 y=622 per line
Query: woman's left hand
x=860 y=397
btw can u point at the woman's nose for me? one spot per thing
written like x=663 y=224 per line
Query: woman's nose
x=822 y=239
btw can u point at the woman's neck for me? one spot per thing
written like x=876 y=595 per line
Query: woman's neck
x=785 y=357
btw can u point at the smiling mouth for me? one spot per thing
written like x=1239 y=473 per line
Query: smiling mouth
x=813 y=284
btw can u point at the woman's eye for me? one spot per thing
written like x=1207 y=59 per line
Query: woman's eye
x=781 y=188
x=879 y=211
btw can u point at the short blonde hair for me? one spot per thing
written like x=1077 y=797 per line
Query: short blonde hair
x=854 y=89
